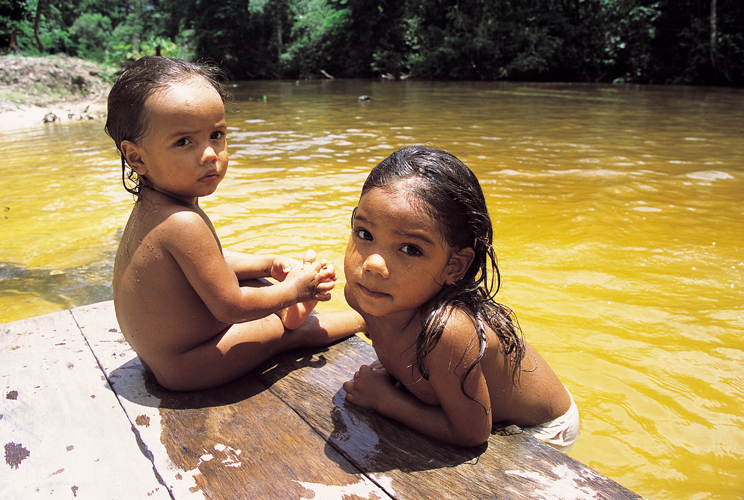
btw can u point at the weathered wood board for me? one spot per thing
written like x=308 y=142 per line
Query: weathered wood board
x=81 y=418
x=62 y=428
x=409 y=465
x=236 y=441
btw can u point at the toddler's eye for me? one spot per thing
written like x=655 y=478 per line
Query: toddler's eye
x=411 y=250
x=216 y=136
x=363 y=234
x=184 y=141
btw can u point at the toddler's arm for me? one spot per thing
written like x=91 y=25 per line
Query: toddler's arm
x=196 y=249
x=249 y=266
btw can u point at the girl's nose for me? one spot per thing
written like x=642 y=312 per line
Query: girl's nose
x=375 y=263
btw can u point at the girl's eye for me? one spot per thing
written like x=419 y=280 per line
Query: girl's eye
x=216 y=136
x=411 y=250
x=184 y=141
x=363 y=234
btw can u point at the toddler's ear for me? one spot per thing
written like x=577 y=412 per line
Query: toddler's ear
x=133 y=155
x=459 y=264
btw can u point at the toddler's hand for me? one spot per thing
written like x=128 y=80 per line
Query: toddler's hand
x=370 y=385
x=329 y=277
x=281 y=267
x=313 y=280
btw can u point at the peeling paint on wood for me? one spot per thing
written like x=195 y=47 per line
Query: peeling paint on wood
x=55 y=435
x=142 y=420
x=15 y=454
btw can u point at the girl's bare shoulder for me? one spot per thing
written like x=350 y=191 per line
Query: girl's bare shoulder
x=461 y=337
x=459 y=343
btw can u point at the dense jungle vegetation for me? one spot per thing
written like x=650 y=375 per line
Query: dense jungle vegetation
x=643 y=41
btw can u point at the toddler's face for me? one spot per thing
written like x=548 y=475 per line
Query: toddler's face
x=184 y=151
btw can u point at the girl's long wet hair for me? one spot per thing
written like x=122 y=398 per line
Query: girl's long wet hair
x=126 y=119
x=447 y=190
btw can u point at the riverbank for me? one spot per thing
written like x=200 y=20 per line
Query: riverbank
x=37 y=91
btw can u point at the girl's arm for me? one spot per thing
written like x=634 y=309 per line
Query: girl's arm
x=457 y=420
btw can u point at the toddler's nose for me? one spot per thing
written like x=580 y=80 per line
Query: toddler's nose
x=209 y=155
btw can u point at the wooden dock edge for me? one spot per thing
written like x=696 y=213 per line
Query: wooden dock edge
x=79 y=416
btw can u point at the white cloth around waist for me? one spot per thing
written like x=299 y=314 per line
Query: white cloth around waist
x=561 y=433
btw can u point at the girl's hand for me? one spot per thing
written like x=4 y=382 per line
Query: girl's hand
x=371 y=385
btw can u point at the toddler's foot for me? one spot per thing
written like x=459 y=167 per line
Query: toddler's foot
x=294 y=316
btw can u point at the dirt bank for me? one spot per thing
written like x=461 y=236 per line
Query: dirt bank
x=35 y=91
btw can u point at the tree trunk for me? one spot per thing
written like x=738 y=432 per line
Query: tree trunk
x=14 y=41
x=279 y=38
x=39 y=7
x=279 y=11
x=713 y=34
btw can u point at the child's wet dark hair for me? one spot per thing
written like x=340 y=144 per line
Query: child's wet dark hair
x=126 y=102
x=445 y=189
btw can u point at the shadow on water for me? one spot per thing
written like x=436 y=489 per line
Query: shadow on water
x=67 y=287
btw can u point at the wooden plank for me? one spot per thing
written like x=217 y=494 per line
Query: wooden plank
x=62 y=428
x=409 y=465
x=236 y=441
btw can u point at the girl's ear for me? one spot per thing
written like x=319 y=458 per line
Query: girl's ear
x=132 y=153
x=458 y=264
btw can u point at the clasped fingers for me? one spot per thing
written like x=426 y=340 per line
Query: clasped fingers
x=371 y=385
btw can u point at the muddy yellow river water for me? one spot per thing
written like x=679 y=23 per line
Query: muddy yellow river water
x=619 y=223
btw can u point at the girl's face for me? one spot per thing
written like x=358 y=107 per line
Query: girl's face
x=396 y=260
x=184 y=151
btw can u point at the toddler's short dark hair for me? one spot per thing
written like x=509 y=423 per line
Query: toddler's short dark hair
x=126 y=119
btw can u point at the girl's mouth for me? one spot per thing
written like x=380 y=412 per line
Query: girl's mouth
x=370 y=293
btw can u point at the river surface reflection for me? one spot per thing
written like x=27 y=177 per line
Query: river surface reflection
x=618 y=222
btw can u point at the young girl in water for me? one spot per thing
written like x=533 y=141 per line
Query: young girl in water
x=196 y=316
x=420 y=268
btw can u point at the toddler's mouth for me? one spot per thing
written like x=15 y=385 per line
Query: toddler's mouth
x=210 y=177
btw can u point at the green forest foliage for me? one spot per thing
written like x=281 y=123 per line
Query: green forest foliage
x=643 y=41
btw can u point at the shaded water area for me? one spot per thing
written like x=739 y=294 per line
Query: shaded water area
x=618 y=222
